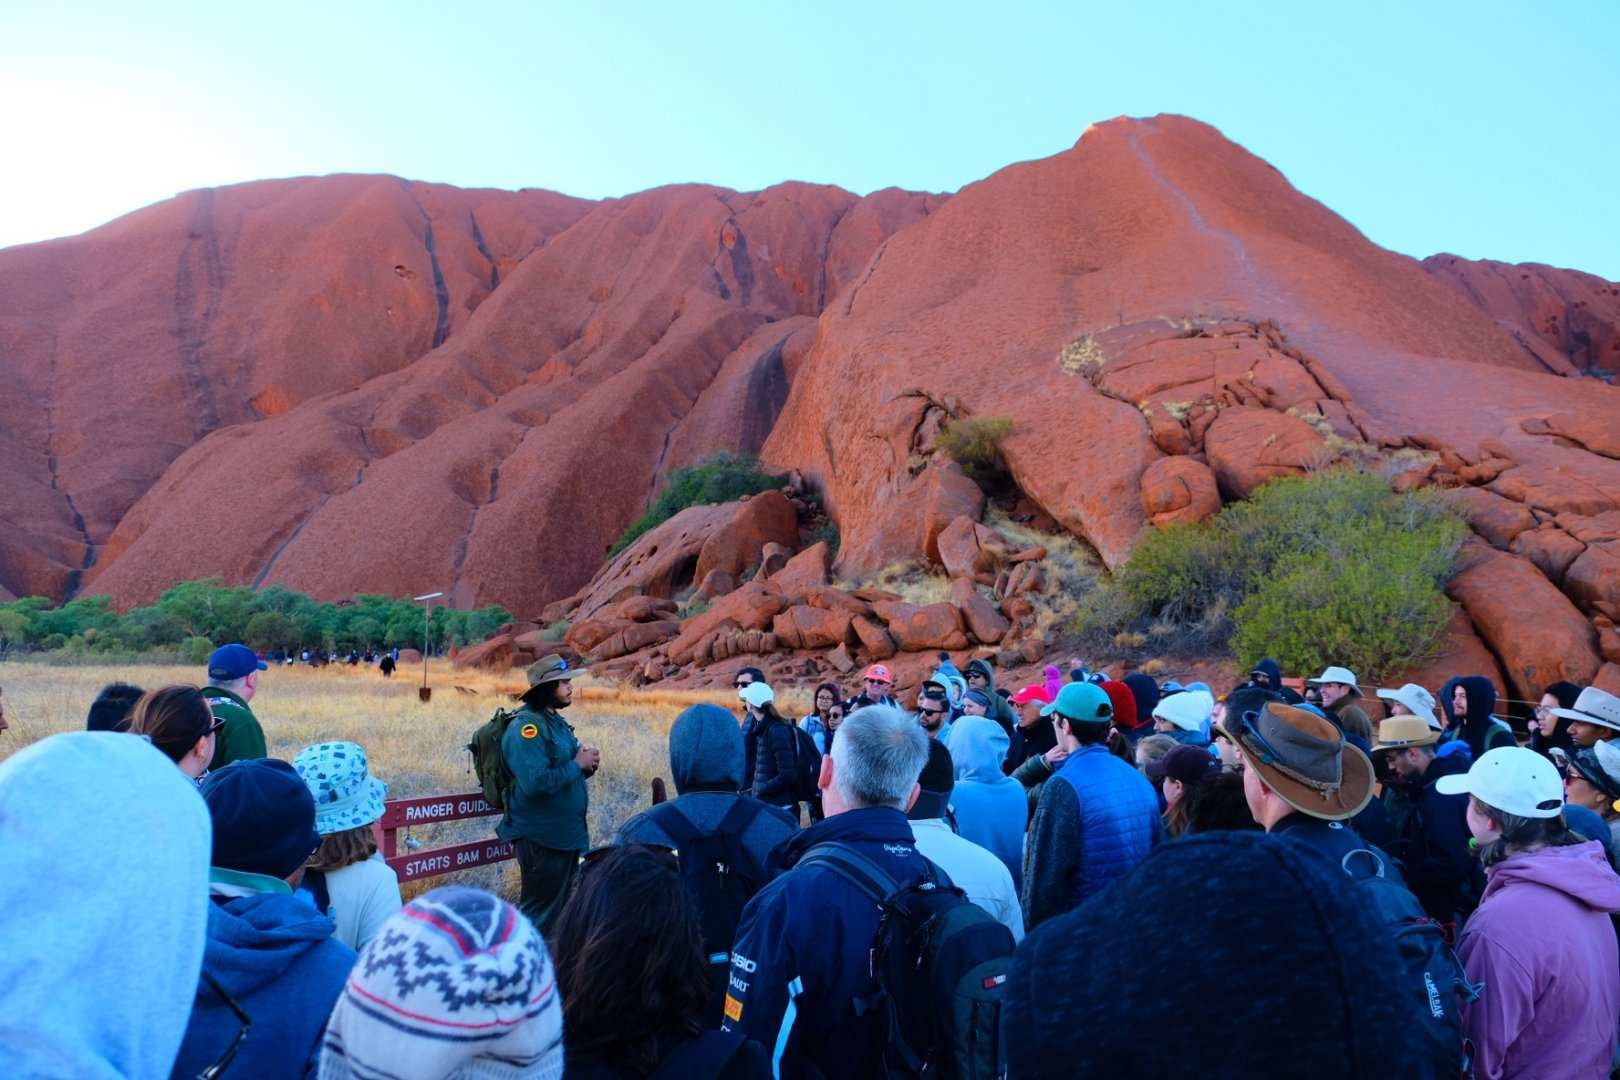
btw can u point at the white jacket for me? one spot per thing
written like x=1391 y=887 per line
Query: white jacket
x=972 y=869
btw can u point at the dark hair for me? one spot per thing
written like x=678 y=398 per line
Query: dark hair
x=1565 y=694
x=110 y=711
x=1178 y=817
x=629 y=956
x=1120 y=747
x=1520 y=834
x=344 y=848
x=1087 y=732
x=758 y=675
x=543 y=696
x=1217 y=804
x=769 y=713
x=831 y=688
x=174 y=718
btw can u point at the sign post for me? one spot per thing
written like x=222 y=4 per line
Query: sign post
x=426 y=693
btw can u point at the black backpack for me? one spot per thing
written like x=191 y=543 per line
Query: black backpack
x=720 y=877
x=1433 y=983
x=939 y=966
x=489 y=762
x=806 y=766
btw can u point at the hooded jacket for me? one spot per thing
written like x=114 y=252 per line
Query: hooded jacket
x=1543 y=945
x=824 y=955
x=1001 y=710
x=275 y=955
x=1145 y=692
x=1429 y=834
x=1267 y=675
x=104 y=879
x=1478 y=729
x=991 y=809
x=706 y=763
x=1098 y=817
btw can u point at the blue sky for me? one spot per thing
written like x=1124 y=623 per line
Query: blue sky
x=1485 y=129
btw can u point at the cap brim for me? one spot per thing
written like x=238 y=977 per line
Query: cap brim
x=558 y=676
x=1455 y=784
x=1049 y=708
x=263 y=666
x=1408 y=744
x=1586 y=718
x=1355 y=785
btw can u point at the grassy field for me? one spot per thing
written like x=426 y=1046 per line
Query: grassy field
x=418 y=749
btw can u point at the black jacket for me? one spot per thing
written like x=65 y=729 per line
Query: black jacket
x=1429 y=834
x=771 y=751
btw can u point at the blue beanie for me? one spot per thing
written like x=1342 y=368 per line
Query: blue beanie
x=264 y=817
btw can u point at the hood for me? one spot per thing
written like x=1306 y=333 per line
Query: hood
x=102 y=971
x=1580 y=871
x=1481 y=698
x=1146 y=693
x=1452 y=718
x=1124 y=702
x=252 y=940
x=1268 y=673
x=706 y=750
x=978 y=747
x=1446 y=765
x=983 y=667
x=951 y=679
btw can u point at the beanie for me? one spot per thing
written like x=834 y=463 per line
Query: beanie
x=979 y=698
x=937 y=780
x=1146 y=694
x=264 y=817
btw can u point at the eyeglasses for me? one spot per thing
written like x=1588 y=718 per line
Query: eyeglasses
x=242 y=1018
x=1542 y=711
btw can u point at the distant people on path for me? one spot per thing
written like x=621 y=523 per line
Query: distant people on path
x=770 y=740
x=1594 y=718
x=982 y=677
x=271 y=960
x=876 y=686
x=1097 y=816
x=1341 y=700
x=545 y=810
x=1472 y=700
x=724 y=838
x=1549 y=732
x=1428 y=829
x=1314 y=967
x=631 y=973
x=179 y=722
x=112 y=708
x=104 y=879
x=1542 y=941
x=233 y=680
x=990 y=807
x=386 y=666
x=970 y=867
x=347 y=877
x=794 y=977
x=454 y=961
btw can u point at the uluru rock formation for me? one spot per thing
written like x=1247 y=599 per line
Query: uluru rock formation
x=364 y=384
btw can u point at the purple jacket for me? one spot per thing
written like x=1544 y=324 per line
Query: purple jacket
x=1542 y=943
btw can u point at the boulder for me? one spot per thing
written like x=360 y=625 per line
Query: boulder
x=806 y=627
x=841 y=661
x=934 y=626
x=1176 y=489
x=715 y=585
x=1608 y=678
x=494 y=654
x=1525 y=620
x=825 y=596
x=969 y=549
x=587 y=634
x=1593 y=579
x=945 y=494
x=984 y=621
x=773 y=557
x=642 y=609
x=874 y=638
x=1017 y=608
x=1248 y=446
x=740 y=543
x=1462 y=653
x=807 y=570
x=751 y=607
x=409 y=656
x=633 y=638
x=1497 y=519
x=1550 y=548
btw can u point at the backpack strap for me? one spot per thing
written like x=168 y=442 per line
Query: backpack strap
x=678 y=827
x=854 y=868
x=739 y=816
x=705 y=1055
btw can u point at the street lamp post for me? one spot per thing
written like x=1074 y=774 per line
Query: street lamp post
x=427 y=628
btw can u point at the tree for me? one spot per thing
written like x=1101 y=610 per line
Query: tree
x=14 y=631
x=269 y=630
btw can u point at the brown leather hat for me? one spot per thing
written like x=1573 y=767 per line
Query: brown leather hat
x=1304 y=759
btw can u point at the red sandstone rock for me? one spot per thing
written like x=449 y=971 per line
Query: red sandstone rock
x=633 y=638
x=934 y=626
x=1608 y=678
x=751 y=607
x=1247 y=447
x=716 y=584
x=875 y=638
x=1463 y=654
x=811 y=628
x=984 y=621
x=806 y=570
x=1497 y=519
x=762 y=520
x=774 y=556
x=1176 y=489
x=495 y=654
x=1550 y=548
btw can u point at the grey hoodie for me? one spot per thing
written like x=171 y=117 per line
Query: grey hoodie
x=706 y=763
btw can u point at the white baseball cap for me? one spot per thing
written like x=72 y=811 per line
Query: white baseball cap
x=1417 y=700
x=1512 y=779
x=757 y=694
x=1337 y=675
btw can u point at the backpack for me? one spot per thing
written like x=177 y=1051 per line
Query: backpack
x=806 y=766
x=1432 y=981
x=494 y=775
x=721 y=877
x=939 y=963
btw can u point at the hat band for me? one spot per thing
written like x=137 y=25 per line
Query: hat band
x=1328 y=789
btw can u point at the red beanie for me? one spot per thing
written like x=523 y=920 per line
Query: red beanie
x=1124 y=703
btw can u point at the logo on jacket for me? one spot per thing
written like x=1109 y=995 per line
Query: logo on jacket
x=528 y=731
x=733 y=1009
x=900 y=850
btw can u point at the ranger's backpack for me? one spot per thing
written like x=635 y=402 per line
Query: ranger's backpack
x=494 y=775
x=939 y=966
x=1432 y=984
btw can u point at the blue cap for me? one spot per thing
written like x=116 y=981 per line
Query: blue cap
x=233 y=662
x=264 y=817
x=1082 y=703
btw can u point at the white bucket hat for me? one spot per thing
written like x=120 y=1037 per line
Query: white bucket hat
x=1418 y=701
x=1337 y=675
x=1513 y=779
x=1594 y=706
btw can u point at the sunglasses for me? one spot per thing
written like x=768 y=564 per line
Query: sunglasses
x=740 y=683
x=242 y=1018
x=931 y=712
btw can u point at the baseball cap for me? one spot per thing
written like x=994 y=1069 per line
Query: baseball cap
x=1512 y=779
x=1188 y=764
x=879 y=673
x=1033 y=692
x=233 y=662
x=1081 y=703
x=757 y=694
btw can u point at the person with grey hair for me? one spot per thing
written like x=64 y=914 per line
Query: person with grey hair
x=801 y=955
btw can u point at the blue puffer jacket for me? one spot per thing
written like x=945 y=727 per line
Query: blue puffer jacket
x=1097 y=818
x=812 y=930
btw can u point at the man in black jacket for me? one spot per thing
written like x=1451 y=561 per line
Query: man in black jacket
x=1428 y=831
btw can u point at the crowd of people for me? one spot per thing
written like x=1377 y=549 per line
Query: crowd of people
x=1079 y=876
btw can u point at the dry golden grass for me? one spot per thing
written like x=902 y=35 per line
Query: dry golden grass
x=418 y=749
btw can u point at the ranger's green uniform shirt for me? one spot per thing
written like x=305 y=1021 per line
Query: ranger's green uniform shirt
x=241 y=739
x=548 y=798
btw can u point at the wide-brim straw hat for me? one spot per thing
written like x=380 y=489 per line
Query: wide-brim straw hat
x=1304 y=759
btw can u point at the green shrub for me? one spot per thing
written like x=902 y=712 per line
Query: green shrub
x=1330 y=568
x=974 y=443
x=718 y=479
x=195 y=650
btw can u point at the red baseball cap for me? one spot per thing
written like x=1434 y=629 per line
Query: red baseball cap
x=880 y=673
x=1033 y=692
